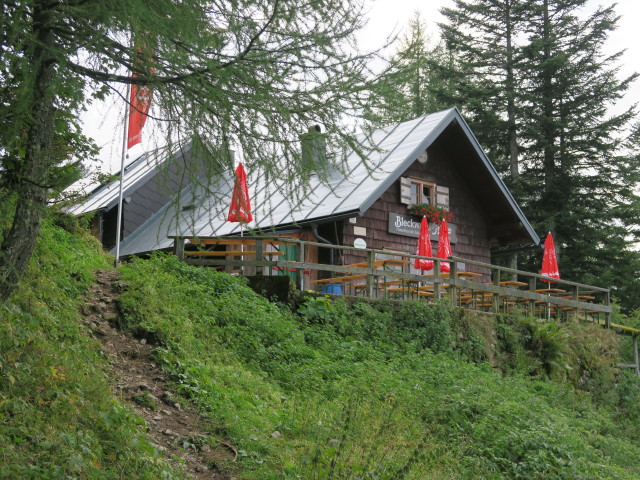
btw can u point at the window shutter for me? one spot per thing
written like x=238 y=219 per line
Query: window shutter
x=442 y=196
x=405 y=191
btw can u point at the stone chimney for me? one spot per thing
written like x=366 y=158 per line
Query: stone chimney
x=314 y=149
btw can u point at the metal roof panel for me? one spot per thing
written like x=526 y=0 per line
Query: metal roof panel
x=394 y=150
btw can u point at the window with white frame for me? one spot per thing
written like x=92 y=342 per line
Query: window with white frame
x=414 y=190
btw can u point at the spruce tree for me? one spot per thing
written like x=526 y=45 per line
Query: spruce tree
x=538 y=69
x=487 y=63
x=574 y=146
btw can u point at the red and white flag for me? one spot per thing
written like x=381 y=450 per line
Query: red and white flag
x=140 y=102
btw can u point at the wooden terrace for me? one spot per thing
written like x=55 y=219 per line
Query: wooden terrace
x=386 y=273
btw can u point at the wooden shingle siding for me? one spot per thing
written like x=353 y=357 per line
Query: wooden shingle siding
x=473 y=237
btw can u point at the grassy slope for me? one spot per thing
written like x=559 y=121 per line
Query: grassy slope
x=329 y=393
x=361 y=394
x=58 y=418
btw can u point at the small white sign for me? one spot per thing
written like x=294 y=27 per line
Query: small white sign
x=359 y=243
x=360 y=231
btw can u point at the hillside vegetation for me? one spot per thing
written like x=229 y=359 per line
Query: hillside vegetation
x=369 y=391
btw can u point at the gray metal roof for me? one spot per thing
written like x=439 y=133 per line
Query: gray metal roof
x=136 y=173
x=395 y=149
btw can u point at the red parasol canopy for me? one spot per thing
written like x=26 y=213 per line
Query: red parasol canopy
x=444 y=246
x=549 y=260
x=424 y=248
x=240 y=210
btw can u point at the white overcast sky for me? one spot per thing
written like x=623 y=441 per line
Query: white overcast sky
x=393 y=15
x=385 y=17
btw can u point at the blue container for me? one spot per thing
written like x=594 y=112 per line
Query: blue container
x=332 y=288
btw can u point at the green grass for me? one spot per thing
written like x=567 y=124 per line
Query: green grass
x=58 y=418
x=383 y=393
x=331 y=391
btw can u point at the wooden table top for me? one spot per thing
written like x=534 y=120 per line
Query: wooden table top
x=513 y=283
x=550 y=290
x=232 y=241
x=380 y=263
x=468 y=274
x=227 y=253
x=458 y=274
x=580 y=297
x=345 y=279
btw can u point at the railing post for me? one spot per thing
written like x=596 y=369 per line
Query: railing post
x=532 y=303
x=453 y=276
x=607 y=300
x=497 y=276
x=178 y=248
x=301 y=256
x=259 y=256
x=371 y=257
x=635 y=355
x=436 y=280
x=496 y=297
x=576 y=294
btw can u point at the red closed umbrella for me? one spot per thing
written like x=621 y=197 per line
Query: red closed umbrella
x=240 y=210
x=444 y=246
x=424 y=248
x=549 y=259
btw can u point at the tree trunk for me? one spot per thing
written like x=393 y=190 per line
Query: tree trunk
x=31 y=196
x=548 y=129
x=511 y=92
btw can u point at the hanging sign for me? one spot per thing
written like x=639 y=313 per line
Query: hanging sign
x=406 y=225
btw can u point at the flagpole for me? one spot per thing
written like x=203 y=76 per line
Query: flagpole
x=124 y=156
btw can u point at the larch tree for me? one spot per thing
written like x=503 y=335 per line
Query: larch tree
x=254 y=73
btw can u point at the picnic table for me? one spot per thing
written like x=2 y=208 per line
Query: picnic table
x=513 y=284
x=357 y=282
x=408 y=287
x=550 y=291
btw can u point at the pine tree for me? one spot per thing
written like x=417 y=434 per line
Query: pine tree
x=550 y=84
x=402 y=92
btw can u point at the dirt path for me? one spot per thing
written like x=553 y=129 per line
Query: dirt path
x=172 y=425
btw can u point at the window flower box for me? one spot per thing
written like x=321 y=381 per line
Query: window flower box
x=434 y=214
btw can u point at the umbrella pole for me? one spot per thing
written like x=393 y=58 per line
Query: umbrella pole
x=242 y=247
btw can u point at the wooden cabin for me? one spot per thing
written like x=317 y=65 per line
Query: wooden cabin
x=150 y=182
x=433 y=159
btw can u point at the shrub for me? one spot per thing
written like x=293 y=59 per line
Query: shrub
x=423 y=326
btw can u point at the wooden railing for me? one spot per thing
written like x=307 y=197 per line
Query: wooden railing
x=494 y=292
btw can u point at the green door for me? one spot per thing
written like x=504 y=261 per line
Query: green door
x=290 y=254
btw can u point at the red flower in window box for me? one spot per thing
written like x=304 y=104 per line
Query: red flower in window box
x=434 y=214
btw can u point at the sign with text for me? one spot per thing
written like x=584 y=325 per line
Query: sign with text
x=407 y=226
